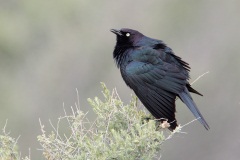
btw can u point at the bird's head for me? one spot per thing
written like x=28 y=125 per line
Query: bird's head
x=127 y=37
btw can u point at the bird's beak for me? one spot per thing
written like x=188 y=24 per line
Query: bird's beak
x=117 y=32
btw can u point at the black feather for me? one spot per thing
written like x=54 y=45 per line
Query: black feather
x=155 y=73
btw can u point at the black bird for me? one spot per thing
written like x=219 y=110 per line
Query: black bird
x=155 y=73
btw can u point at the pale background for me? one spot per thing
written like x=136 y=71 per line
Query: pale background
x=50 y=48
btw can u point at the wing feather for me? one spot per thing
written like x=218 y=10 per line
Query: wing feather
x=156 y=82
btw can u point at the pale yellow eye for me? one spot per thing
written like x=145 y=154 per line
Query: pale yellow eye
x=127 y=34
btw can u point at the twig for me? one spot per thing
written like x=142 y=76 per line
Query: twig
x=78 y=101
x=4 y=128
x=191 y=122
x=199 y=77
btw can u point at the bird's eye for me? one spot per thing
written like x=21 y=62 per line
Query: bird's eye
x=127 y=34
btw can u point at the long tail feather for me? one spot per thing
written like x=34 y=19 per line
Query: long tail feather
x=187 y=99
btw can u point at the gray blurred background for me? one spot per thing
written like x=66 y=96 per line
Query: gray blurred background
x=50 y=48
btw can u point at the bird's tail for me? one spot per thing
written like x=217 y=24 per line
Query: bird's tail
x=187 y=99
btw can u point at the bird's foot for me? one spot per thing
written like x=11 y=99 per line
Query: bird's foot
x=165 y=124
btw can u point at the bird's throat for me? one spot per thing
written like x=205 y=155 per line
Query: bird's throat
x=120 y=53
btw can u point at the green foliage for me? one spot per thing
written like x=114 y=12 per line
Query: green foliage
x=8 y=148
x=119 y=132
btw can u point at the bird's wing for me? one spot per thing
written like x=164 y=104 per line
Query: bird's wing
x=148 y=66
x=155 y=82
x=162 y=47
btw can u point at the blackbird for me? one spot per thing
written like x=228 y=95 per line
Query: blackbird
x=156 y=75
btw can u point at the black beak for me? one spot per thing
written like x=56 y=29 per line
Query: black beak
x=117 y=32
